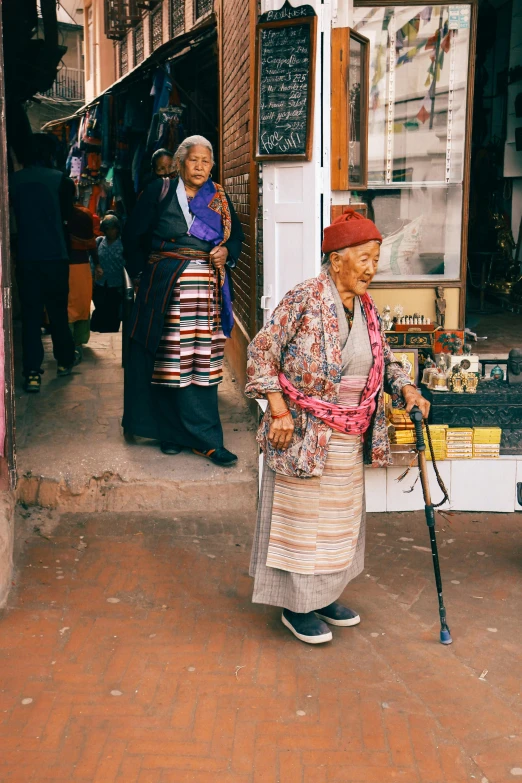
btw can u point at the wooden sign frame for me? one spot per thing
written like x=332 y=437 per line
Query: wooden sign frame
x=311 y=22
x=340 y=98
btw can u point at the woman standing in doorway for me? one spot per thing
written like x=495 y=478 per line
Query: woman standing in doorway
x=182 y=238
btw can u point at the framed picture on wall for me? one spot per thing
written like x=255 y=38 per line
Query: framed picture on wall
x=409 y=358
x=350 y=103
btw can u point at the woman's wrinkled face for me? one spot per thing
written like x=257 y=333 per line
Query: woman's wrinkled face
x=354 y=267
x=164 y=166
x=197 y=166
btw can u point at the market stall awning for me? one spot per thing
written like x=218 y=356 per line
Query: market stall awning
x=172 y=50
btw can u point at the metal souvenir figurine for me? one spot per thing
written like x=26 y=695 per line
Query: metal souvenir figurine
x=440 y=306
x=497 y=373
x=387 y=320
x=470 y=382
x=514 y=366
x=429 y=369
x=456 y=382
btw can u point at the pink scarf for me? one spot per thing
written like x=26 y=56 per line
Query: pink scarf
x=352 y=420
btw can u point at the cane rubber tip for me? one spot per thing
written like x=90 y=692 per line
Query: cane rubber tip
x=445 y=637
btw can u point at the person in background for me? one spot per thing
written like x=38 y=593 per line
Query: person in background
x=161 y=166
x=83 y=247
x=107 y=295
x=42 y=200
x=162 y=163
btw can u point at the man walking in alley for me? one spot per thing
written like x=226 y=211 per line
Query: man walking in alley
x=42 y=199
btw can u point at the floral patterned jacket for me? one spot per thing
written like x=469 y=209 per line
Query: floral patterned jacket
x=301 y=339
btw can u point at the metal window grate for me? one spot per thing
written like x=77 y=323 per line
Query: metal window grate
x=177 y=17
x=119 y=16
x=203 y=7
x=139 y=44
x=124 y=57
x=156 y=28
x=69 y=84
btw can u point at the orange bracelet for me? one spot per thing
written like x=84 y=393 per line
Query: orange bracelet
x=280 y=415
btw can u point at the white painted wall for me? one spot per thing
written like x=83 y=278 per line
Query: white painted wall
x=472 y=484
x=296 y=196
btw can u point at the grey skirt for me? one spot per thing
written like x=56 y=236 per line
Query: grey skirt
x=296 y=592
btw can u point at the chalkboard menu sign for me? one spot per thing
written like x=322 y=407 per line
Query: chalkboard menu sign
x=285 y=68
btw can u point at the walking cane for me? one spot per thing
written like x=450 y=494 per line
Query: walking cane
x=429 y=509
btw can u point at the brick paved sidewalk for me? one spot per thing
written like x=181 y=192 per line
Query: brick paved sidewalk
x=139 y=658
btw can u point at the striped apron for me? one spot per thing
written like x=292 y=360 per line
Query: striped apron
x=192 y=345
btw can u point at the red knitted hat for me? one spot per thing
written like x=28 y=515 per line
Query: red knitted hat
x=348 y=230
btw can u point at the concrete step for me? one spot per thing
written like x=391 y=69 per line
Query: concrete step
x=72 y=455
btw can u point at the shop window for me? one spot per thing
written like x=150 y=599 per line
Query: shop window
x=177 y=17
x=124 y=57
x=202 y=7
x=139 y=44
x=156 y=28
x=418 y=84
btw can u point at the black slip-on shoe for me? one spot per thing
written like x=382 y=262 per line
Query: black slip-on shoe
x=337 y=614
x=170 y=448
x=222 y=457
x=306 y=627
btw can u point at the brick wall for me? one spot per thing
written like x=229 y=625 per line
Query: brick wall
x=237 y=145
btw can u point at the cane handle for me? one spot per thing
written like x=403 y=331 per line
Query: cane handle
x=417 y=419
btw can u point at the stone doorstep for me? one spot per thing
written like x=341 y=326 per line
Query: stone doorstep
x=72 y=456
x=109 y=493
x=112 y=475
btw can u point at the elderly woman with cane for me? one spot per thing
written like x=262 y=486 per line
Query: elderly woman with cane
x=322 y=362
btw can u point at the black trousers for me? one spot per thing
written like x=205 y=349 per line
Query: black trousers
x=188 y=416
x=107 y=315
x=44 y=284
